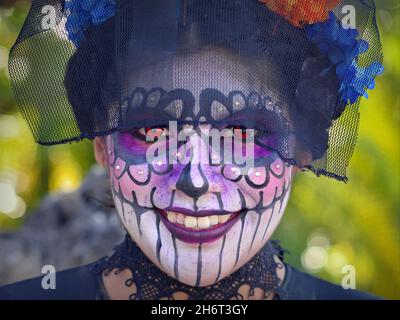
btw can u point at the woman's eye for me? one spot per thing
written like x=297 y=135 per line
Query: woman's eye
x=151 y=134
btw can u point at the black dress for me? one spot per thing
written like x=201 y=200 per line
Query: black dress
x=81 y=284
x=85 y=282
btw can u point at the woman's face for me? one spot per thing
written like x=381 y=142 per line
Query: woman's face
x=197 y=221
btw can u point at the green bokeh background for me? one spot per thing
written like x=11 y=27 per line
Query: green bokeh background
x=327 y=225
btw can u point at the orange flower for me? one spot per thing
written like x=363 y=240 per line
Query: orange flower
x=301 y=12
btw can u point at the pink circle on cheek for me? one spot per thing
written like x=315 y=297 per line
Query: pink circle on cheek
x=258 y=175
x=277 y=167
x=139 y=172
x=231 y=172
x=142 y=192
x=274 y=187
x=160 y=166
x=277 y=183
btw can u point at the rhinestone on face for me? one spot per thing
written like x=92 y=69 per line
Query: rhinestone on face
x=159 y=163
x=258 y=173
x=118 y=167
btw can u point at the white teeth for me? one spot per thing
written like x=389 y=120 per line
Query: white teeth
x=196 y=223
x=224 y=218
x=171 y=216
x=203 y=222
x=190 y=222
x=180 y=218
x=213 y=220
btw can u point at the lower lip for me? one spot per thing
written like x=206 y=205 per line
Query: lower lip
x=199 y=236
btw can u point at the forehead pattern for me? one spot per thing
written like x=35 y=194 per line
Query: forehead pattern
x=180 y=104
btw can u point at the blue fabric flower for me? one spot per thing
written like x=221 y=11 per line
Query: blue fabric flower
x=343 y=48
x=85 y=13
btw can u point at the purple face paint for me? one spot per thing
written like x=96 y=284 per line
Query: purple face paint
x=132 y=144
x=173 y=210
x=264 y=145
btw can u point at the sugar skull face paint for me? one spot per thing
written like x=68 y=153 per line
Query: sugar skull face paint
x=198 y=223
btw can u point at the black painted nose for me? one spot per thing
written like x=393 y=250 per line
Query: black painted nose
x=185 y=182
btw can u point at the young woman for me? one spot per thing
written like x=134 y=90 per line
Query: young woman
x=202 y=112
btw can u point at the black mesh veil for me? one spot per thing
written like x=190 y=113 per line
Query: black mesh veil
x=89 y=69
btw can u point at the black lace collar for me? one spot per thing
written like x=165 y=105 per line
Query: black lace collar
x=154 y=284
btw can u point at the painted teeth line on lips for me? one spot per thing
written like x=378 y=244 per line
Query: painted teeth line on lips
x=197 y=222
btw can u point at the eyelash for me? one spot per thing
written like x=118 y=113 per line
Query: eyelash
x=243 y=131
x=142 y=133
